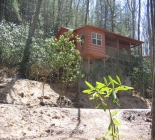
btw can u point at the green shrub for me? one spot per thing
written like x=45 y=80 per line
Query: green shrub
x=12 y=42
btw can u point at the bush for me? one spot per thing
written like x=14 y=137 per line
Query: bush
x=12 y=42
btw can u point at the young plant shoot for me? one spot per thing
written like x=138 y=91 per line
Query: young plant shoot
x=108 y=89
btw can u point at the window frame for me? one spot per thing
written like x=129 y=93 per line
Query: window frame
x=96 y=34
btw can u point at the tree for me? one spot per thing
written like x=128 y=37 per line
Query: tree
x=60 y=58
x=26 y=54
x=153 y=96
x=132 y=7
x=79 y=80
x=139 y=18
x=9 y=11
x=66 y=60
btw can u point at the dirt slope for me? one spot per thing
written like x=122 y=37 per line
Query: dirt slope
x=22 y=116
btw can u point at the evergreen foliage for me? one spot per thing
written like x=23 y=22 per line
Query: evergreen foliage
x=60 y=55
x=12 y=42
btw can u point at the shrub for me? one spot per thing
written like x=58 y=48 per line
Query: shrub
x=12 y=42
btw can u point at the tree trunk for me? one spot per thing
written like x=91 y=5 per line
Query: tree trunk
x=132 y=7
x=59 y=17
x=153 y=108
x=79 y=81
x=153 y=93
x=76 y=15
x=9 y=10
x=139 y=17
x=29 y=39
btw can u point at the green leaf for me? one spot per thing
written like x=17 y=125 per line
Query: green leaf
x=94 y=97
x=99 y=85
x=89 y=85
x=113 y=97
x=105 y=81
x=116 y=122
x=97 y=106
x=114 y=113
x=104 y=106
x=123 y=88
x=88 y=91
x=117 y=101
x=106 y=134
x=109 y=127
x=100 y=97
x=118 y=79
x=115 y=82
x=91 y=98
x=108 y=94
x=111 y=81
x=104 y=91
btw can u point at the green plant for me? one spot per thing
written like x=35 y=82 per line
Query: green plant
x=141 y=70
x=12 y=42
x=61 y=56
x=100 y=93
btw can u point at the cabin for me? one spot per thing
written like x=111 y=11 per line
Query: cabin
x=104 y=52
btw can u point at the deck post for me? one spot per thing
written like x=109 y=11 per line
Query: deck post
x=118 y=56
x=88 y=57
x=118 y=47
x=119 y=93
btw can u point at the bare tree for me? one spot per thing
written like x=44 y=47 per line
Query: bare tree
x=139 y=20
x=76 y=15
x=132 y=7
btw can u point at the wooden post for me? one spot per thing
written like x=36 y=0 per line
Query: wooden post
x=118 y=64
x=130 y=51
x=104 y=62
x=88 y=68
x=118 y=56
x=118 y=47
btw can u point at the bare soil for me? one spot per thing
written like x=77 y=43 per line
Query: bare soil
x=23 y=115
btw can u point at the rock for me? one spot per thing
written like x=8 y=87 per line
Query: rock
x=49 y=115
x=42 y=103
x=21 y=94
x=29 y=128
x=46 y=97
x=31 y=94
x=55 y=117
x=148 y=120
x=39 y=97
x=41 y=112
x=35 y=111
x=148 y=114
x=2 y=85
x=131 y=117
x=49 y=131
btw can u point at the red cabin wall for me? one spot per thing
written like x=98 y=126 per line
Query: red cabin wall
x=94 y=51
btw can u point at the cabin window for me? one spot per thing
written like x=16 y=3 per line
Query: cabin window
x=82 y=40
x=96 y=39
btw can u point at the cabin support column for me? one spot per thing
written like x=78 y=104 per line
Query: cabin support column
x=118 y=57
x=130 y=52
x=104 y=62
x=118 y=47
x=119 y=93
x=88 y=68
